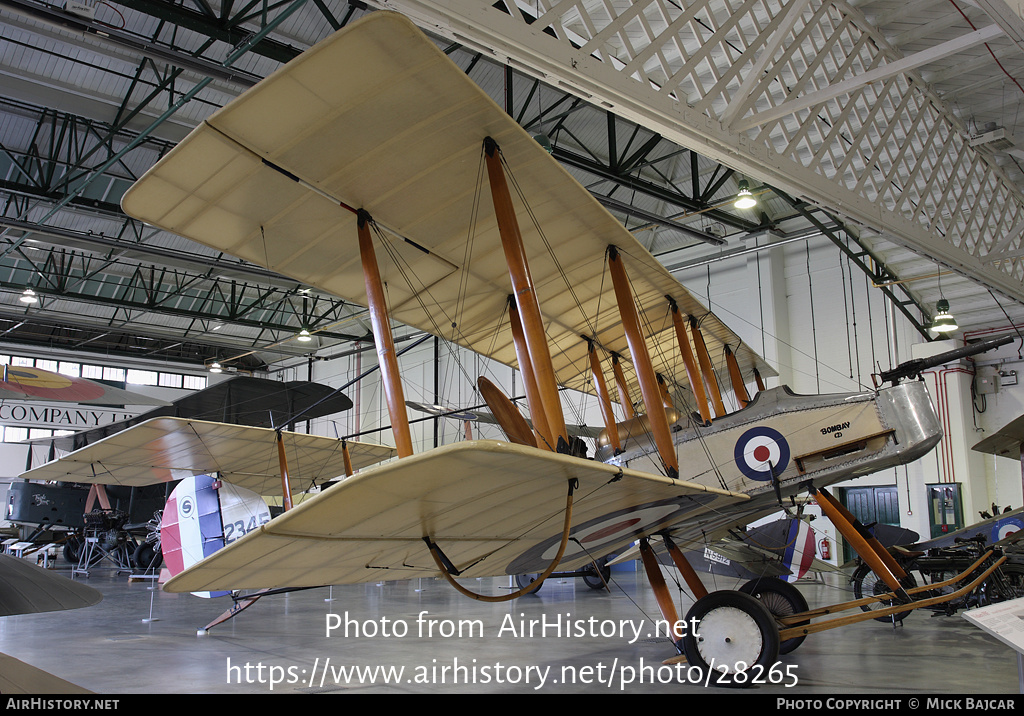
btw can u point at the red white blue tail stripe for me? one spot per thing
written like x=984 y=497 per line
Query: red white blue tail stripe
x=202 y=516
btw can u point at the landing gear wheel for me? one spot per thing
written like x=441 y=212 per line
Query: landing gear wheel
x=733 y=635
x=525 y=580
x=147 y=556
x=597 y=580
x=1006 y=583
x=782 y=599
x=73 y=549
x=868 y=584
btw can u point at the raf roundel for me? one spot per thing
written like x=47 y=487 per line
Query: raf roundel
x=760 y=452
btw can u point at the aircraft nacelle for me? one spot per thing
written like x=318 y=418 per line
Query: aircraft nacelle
x=782 y=440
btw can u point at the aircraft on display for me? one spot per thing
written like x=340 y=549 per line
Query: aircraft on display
x=126 y=505
x=367 y=162
x=28 y=383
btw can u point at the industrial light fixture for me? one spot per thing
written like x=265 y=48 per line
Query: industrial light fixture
x=944 y=322
x=304 y=336
x=744 y=199
x=29 y=296
x=215 y=367
x=544 y=141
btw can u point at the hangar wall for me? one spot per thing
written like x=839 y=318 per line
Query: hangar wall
x=828 y=330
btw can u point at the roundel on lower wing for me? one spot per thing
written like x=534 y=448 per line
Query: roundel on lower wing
x=599 y=536
x=761 y=451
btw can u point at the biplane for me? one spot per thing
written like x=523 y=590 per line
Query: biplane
x=366 y=168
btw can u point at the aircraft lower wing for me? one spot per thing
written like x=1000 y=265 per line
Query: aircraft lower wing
x=493 y=508
x=166 y=449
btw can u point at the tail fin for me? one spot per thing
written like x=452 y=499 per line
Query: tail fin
x=799 y=549
x=203 y=515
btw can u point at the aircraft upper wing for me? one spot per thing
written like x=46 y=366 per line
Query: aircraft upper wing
x=492 y=507
x=165 y=449
x=25 y=383
x=377 y=117
x=241 y=400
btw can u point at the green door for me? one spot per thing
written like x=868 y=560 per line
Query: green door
x=945 y=510
x=871 y=505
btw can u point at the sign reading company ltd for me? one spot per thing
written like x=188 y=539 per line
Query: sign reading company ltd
x=61 y=418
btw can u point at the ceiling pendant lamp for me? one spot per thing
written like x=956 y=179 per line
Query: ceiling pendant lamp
x=944 y=322
x=29 y=296
x=744 y=199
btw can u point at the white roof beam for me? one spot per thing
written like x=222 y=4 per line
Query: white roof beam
x=880 y=73
x=743 y=98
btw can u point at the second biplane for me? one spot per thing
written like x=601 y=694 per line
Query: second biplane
x=362 y=168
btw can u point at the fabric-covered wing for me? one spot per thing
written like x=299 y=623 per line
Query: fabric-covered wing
x=25 y=383
x=377 y=117
x=17 y=677
x=493 y=508
x=1006 y=441
x=242 y=400
x=28 y=589
x=165 y=449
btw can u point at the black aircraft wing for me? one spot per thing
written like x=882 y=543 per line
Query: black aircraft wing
x=240 y=400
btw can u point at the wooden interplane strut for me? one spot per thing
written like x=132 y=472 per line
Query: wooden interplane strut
x=736 y=377
x=381 y=325
x=286 y=487
x=526 y=299
x=692 y=370
x=623 y=389
x=706 y=368
x=645 y=370
x=603 y=399
x=533 y=397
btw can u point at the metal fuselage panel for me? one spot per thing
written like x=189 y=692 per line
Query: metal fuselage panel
x=781 y=440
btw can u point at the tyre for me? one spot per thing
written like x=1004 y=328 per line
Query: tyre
x=1006 y=583
x=525 y=580
x=73 y=552
x=868 y=584
x=598 y=579
x=782 y=599
x=147 y=556
x=731 y=637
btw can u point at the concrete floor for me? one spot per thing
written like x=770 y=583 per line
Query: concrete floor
x=142 y=640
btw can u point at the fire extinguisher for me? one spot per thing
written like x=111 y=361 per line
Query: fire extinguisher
x=825 y=548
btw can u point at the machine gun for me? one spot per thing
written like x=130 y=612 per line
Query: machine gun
x=914 y=368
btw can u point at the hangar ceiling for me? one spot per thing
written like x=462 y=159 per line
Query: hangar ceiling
x=886 y=129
